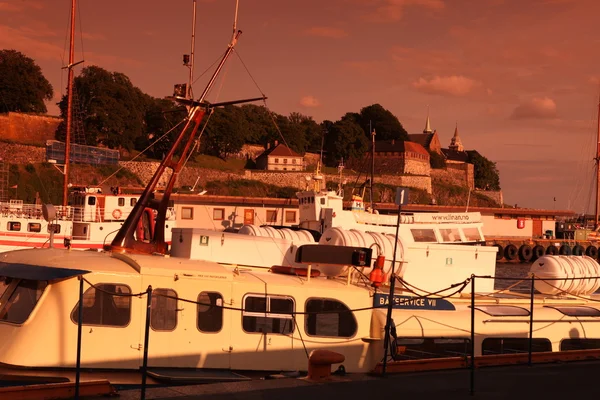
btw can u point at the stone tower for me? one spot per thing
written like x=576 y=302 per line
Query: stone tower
x=455 y=143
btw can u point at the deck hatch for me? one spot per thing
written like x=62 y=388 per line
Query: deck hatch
x=503 y=311
x=37 y=272
x=577 y=311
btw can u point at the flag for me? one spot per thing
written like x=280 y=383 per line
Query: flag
x=14 y=187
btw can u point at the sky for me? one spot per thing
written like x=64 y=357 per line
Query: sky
x=518 y=77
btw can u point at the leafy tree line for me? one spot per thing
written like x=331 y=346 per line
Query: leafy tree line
x=116 y=114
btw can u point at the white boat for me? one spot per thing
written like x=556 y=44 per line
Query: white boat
x=264 y=301
x=90 y=221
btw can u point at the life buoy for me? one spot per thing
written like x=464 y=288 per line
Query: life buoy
x=525 y=253
x=116 y=213
x=537 y=251
x=591 y=251
x=500 y=252
x=551 y=250
x=564 y=250
x=510 y=252
x=578 y=250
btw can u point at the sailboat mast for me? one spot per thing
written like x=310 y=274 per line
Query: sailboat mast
x=190 y=93
x=69 y=106
x=372 y=165
x=598 y=166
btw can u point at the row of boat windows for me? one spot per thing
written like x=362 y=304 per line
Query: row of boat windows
x=409 y=348
x=91 y=201
x=446 y=235
x=15 y=226
x=110 y=305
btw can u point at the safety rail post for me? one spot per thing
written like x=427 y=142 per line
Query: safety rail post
x=472 y=383
x=79 y=323
x=146 y=338
x=530 y=350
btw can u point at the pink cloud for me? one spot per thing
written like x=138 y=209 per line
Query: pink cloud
x=535 y=108
x=22 y=6
x=393 y=10
x=309 y=101
x=9 y=7
x=453 y=85
x=328 y=32
x=11 y=38
x=93 y=36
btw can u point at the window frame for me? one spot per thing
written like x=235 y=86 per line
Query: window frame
x=330 y=312
x=183 y=213
x=31 y=225
x=152 y=308
x=290 y=212
x=98 y=285
x=221 y=211
x=267 y=314
x=220 y=297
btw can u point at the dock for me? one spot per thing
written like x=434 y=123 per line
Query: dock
x=557 y=380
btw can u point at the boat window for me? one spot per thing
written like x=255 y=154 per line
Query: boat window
x=329 y=318
x=290 y=216
x=423 y=235
x=91 y=201
x=22 y=299
x=271 y=215
x=34 y=227
x=14 y=226
x=121 y=201
x=210 y=312
x=514 y=345
x=270 y=314
x=450 y=235
x=472 y=234
x=163 y=311
x=503 y=311
x=579 y=344
x=323 y=200
x=4 y=284
x=419 y=348
x=54 y=228
x=577 y=311
x=187 y=213
x=132 y=202
x=107 y=306
x=219 y=214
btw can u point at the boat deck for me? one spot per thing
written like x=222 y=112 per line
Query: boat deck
x=561 y=380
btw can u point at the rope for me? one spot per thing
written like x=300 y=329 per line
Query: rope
x=143 y=151
x=113 y=293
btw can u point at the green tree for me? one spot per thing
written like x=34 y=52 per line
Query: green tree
x=386 y=125
x=161 y=117
x=261 y=128
x=225 y=132
x=23 y=87
x=111 y=108
x=486 y=173
x=344 y=139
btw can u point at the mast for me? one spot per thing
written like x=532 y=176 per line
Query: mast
x=372 y=166
x=69 y=106
x=598 y=166
x=189 y=93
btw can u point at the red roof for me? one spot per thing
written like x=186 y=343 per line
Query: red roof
x=280 y=150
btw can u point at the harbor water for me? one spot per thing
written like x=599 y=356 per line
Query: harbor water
x=512 y=270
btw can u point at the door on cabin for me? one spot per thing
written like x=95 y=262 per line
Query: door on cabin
x=262 y=333
x=248 y=216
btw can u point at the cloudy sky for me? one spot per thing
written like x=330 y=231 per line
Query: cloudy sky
x=519 y=77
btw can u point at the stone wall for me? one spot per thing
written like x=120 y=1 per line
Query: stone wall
x=21 y=154
x=28 y=128
x=455 y=174
x=496 y=196
x=396 y=165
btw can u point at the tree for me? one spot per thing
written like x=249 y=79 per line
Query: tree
x=112 y=109
x=23 y=87
x=225 y=132
x=436 y=160
x=161 y=116
x=344 y=139
x=486 y=173
x=386 y=125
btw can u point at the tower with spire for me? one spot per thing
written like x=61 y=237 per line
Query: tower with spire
x=455 y=142
x=427 y=124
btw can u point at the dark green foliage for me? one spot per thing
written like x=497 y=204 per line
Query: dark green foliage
x=436 y=160
x=23 y=87
x=112 y=109
x=386 y=125
x=344 y=139
x=487 y=176
x=225 y=132
x=250 y=188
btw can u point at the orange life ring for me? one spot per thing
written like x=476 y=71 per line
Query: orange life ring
x=116 y=213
